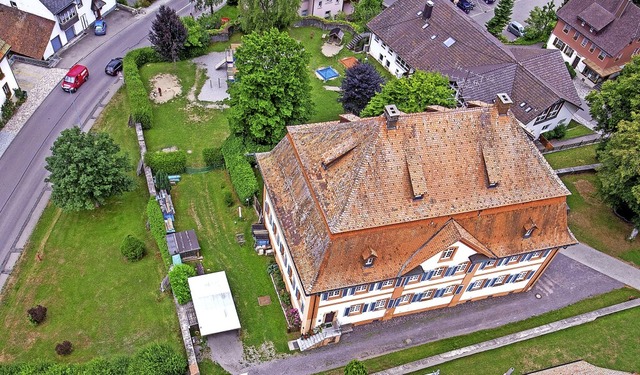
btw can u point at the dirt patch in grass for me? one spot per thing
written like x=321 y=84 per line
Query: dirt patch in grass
x=164 y=88
x=587 y=191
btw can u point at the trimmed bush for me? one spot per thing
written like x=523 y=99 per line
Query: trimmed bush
x=37 y=314
x=158 y=231
x=572 y=72
x=162 y=182
x=132 y=248
x=141 y=108
x=179 y=285
x=213 y=157
x=169 y=162
x=64 y=348
x=157 y=359
x=243 y=179
x=557 y=133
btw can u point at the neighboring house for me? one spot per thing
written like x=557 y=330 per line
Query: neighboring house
x=7 y=79
x=71 y=17
x=324 y=8
x=381 y=217
x=28 y=34
x=437 y=36
x=597 y=37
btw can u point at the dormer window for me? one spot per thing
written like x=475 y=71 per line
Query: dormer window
x=369 y=257
x=529 y=227
x=449 y=253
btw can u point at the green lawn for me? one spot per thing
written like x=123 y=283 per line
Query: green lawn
x=95 y=299
x=199 y=202
x=594 y=223
x=572 y=157
x=228 y=11
x=617 y=338
x=575 y=130
x=608 y=342
x=180 y=123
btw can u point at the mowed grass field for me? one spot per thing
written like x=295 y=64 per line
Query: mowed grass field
x=72 y=265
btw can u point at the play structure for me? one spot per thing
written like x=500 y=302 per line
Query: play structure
x=326 y=73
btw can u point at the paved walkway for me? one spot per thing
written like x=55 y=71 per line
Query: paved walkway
x=604 y=263
x=509 y=339
x=565 y=282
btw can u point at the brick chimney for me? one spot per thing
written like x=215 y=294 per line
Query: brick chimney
x=621 y=8
x=428 y=9
x=503 y=103
x=392 y=114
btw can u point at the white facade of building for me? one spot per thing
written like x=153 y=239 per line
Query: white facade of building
x=7 y=81
x=388 y=58
x=320 y=8
x=563 y=117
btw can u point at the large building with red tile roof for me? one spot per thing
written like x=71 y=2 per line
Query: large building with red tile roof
x=381 y=217
x=8 y=81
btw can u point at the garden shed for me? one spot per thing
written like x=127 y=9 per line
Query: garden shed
x=335 y=36
x=213 y=303
x=185 y=244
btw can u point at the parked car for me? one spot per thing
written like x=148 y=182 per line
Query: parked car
x=77 y=75
x=515 y=28
x=489 y=1
x=113 y=66
x=465 y=5
x=100 y=27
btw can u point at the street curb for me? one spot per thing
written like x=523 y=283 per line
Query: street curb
x=509 y=339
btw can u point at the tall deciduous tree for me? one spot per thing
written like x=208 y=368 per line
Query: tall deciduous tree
x=412 y=94
x=86 y=169
x=360 y=84
x=197 y=37
x=541 y=22
x=272 y=88
x=211 y=4
x=617 y=99
x=501 y=17
x=619 y=175
x=262 y=15
x=365 y=10
x=168 y=34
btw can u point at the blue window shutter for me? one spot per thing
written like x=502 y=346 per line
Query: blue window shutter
x=343 y=292
x=493 y=281
x=528 y=257
x=511 y=277
x=414 y=298
x=424 y=276
x=379 y=286
x=405 y=281
x=372 y=286
x=546 y=252
x=530 y=274
x=430 y=275
x=470 y=286
x=503 y=261
x=372 y=306
x=397 y=302
x=398 y=282
x=352 y=291
x=439 y=292
x=471 y=268
x=366 y=306
x=419 y=296
x=346 y=312
x=459 y=289
x=390 y=303
x=482 y=265
x=450 y=271
x=324 y=296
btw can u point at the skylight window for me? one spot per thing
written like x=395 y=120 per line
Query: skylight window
x=449 y=42
x=528 y=109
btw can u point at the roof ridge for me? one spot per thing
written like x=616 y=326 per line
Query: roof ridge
x=550 y=86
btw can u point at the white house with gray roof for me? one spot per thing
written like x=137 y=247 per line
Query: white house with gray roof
x=71 y=17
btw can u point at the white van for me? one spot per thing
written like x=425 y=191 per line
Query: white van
x=515 y=28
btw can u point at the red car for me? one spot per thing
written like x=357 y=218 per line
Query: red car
x=76 y=76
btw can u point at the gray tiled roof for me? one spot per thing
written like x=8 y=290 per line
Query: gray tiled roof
x=56 y=6
x=617 y=32
x=477 y=62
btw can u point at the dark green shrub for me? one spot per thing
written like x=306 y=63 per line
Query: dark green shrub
x=179 y=285
x=169 y=162
x=64 y=348
x=243 y=179
x=117 y=365
x=161 y=180
x=157 y=359
x=557 y=133
x=355 y=367
x=141 y=108
x=20 y=94
x=158 y=230
x=132 y=248
x=572 y=72
x=7 y=109
x=37 y=314
x=228 y=198
x=213 y=157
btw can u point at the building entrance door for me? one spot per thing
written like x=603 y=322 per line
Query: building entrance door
x=328 y=317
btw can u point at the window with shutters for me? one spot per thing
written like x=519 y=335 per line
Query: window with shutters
x=513 y=259
x=461 y=267
x=490 y=264
x=427 y=295
x=355 y=309
x=536 y=255
x=403 y=300
x=449 y=290
x=500 y=280
x=333 y=294
x=380 y=304
x=387 y=283
x=521 y=276
x=413 y=279
x=449 y=253
x=297 y=294
x=476 y=285
x=361 y=288
x=438 y=272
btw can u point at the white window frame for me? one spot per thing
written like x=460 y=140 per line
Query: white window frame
x=461 y=267
x=405 y=298
x=603 y=54
x=566 y=28
x=500 y=280
x=449 y=253
x=380 y=304
x=476 y=284
x=387 y=283
x=585 y=41
x=413 y=278
x=361 y=288
x=438 y=271
x=427 y=294
x=521 y=276
x=368 y=262
x=449 y=290
x=355 y=309
x=333 y=294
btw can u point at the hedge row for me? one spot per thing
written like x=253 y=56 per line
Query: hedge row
x=174 y=162
x=242 y=177
x=213 y=157
x=156 y=359
x=178 y=276
x=158 y=231
x=141 y=109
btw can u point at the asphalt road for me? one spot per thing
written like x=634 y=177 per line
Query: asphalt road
x=22 y=165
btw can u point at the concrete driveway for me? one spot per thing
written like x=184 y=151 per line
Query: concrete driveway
x=565 y=282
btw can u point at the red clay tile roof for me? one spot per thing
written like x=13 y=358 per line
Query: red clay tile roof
x=363 y=199
x=615 y=33
x=480 y=65
x=27 y=33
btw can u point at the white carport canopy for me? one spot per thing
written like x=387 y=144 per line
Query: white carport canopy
x=213 y=303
